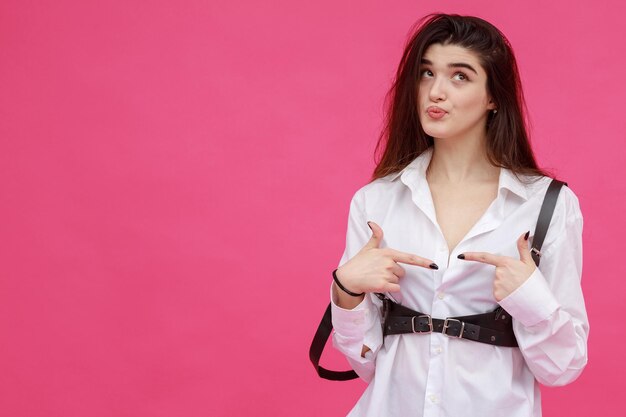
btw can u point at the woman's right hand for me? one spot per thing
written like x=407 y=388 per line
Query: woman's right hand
x=375 y=269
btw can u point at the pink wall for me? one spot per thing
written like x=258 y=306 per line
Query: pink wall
x=175 y=180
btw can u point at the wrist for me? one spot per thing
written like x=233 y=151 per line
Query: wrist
x=343 y=288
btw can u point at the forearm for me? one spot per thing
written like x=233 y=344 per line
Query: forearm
x=357 y=331
x=551 y=337
x=555 y=350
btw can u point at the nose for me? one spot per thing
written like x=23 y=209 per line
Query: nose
x=437 y=90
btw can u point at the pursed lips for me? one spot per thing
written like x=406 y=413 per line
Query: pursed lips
x=436 y=112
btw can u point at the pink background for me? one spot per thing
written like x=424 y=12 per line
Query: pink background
x=175 y=181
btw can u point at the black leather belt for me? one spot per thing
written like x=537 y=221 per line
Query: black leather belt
x=494 y=328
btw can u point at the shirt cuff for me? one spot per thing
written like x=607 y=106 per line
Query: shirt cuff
x=532 y=302
x=353 y=322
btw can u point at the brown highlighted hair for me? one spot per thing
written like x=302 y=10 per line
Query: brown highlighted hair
x=403 y=137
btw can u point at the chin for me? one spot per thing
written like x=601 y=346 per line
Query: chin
x=440 y=133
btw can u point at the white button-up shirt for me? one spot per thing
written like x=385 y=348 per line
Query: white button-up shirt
x=433 y=374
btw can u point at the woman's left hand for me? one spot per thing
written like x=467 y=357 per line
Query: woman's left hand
x=510 y=272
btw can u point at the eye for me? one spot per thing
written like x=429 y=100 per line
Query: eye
x=460 y=76
x=426 y=73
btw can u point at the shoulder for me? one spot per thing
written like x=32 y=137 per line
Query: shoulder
x=570 y=204
x=567 y=219
x=567 y=204
x=380 y=189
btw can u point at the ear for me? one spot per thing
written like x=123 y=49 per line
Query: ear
x=491 y=105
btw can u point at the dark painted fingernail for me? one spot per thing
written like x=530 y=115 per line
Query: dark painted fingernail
x=433 y=266
x=526 y=235
x=461 y=256
x=368 y=225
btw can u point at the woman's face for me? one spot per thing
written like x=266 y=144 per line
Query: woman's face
x=453 y=100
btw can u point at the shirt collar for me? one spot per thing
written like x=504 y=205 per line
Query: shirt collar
x=417 y=167
x=509 y=181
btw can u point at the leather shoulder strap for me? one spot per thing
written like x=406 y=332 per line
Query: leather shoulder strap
x=317 y=347
x=545 y=216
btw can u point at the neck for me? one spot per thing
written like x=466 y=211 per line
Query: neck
x=461 y=161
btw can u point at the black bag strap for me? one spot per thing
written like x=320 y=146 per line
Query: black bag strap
x=317 y=347
x=545 y=216
x=325 y=327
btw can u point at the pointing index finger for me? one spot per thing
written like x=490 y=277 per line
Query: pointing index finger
x=410 y=259
x=484 y=257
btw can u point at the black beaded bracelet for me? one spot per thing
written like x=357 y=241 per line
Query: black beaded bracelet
x=344 y=289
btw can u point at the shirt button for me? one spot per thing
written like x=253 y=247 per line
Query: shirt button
x=433 y=398
x=441 y=296
x=438 y=350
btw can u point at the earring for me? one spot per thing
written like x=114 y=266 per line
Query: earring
x=494 y=111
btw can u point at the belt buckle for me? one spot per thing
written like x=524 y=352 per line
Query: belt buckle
x=535 y=251
x=430 y=323
x=446 y=326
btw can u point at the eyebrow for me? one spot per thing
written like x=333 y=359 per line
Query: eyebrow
x=453 y=65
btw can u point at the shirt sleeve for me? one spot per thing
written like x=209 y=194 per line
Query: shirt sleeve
x=549 y=316
x=362 y=325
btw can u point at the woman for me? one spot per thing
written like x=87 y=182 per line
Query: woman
x=451 y=211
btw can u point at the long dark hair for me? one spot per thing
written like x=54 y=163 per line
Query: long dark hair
x=403 y=137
